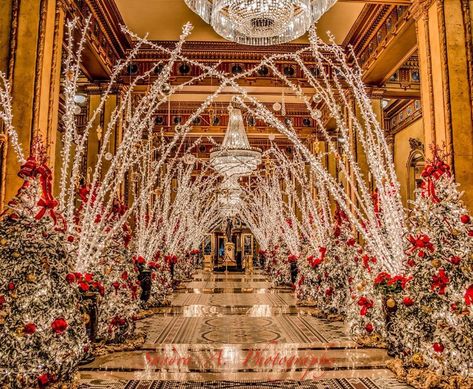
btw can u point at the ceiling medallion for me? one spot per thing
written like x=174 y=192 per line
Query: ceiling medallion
x=260 y=22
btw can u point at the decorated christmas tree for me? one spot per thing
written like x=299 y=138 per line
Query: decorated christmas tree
x=435 y=319
x=111 y=282
x=43 y=334
x=333 y=266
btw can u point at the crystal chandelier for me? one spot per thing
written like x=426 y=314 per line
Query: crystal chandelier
x=235 y=157
x=229 y=197
x=260 y=22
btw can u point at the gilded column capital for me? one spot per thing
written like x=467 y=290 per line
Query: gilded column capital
x=419 y=8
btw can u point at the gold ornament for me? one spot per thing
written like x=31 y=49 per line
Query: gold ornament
x=426 y=309
x=31 y=277
x=16 y=254
x=108 y=270
x=86 y=318
x=3 y=242
x=391 y=303
x=360 y=287
x=418 y=359
x=436 y=263
x=19 y=332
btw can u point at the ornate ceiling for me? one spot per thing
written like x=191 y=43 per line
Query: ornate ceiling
x=381 y=32
x=163 y=19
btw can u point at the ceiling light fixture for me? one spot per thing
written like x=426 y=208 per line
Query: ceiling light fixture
x=235 y=157
x=260 y=22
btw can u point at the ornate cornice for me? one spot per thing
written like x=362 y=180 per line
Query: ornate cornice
x=105 y=37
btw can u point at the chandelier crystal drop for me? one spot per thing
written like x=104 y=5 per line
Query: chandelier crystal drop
x=260 y=22
x=235 y=157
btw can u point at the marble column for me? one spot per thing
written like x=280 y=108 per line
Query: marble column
x=31 y=35
x=445 y=54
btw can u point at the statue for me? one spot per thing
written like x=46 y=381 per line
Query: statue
x=228 y=230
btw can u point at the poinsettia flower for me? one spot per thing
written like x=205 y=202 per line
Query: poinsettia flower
x=84 y=287
x=381 y=278
x=407 y=301
x=440 y=282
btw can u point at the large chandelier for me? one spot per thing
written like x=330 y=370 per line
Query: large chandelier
x=235 y=157
x=260 y=22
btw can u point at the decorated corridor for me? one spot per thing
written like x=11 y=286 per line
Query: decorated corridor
x=237 y=331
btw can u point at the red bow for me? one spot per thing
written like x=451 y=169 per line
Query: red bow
x=365 y=304
x=432 y=173
x=47 y=201
x=420 y=242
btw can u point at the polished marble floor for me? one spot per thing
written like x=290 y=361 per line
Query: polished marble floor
x=236 y=331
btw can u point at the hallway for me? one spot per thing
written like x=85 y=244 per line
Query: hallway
x=237 y=328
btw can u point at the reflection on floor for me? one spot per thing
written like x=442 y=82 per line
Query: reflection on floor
x=235 y=331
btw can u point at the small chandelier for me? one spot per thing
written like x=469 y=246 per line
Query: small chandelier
x=235 y=157
x=260 y=22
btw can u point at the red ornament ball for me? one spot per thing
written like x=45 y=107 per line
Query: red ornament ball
x=11 y=285
x=29 y=329
x=43 y=379
x=438 y=347
x=59 y=325
x=465 y=219
x=369 y=328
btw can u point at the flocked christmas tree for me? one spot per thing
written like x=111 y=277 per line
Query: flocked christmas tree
x=43 y=334
x=435 y=315
x=333 y=266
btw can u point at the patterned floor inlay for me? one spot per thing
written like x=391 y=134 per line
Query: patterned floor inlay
x=238 y=331
x=348 y=383
x=254 y=327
